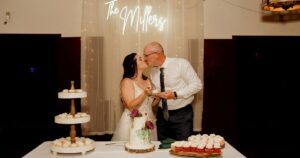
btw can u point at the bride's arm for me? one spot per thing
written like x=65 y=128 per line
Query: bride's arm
x=127 y=94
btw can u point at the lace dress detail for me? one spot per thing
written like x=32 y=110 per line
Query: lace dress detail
x=123 y=127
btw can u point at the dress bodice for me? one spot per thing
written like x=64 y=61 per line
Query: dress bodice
x=146 y=104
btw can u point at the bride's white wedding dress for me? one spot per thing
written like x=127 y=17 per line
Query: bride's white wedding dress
x=123 y=127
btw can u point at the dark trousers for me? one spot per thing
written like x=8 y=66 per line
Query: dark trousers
x=178 y=127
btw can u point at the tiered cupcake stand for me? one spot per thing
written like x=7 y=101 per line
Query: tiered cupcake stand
x=72 y=144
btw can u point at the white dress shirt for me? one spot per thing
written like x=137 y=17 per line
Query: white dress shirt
x=179 y=77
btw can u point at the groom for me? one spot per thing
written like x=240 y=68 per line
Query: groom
x=178 y=83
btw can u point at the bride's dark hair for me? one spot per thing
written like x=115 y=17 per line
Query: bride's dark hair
x=130 y=66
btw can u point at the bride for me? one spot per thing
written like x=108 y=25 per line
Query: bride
x=136 y=91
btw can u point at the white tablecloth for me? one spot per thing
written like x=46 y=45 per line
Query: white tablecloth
x=108 y=149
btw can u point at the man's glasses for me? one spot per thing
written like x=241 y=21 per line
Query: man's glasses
x=146 y=55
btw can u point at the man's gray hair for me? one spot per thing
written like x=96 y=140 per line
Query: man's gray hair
x=158 y=47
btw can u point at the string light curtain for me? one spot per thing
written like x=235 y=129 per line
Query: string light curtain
x=111 y=29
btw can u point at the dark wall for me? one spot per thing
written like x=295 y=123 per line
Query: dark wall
x=250 y=93
x=34 y=69
x=219 y=115
x=268 y=81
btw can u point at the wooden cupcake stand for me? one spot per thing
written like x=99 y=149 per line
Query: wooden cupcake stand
x=72 y=144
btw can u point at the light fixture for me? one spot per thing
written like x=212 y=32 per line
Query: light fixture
x=280 y=10
x=280 y=5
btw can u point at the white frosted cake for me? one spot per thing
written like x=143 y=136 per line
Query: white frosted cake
x=140 y=136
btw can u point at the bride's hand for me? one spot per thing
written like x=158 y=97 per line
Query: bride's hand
x=155 y=97
x=156 y=100
x=148 y=91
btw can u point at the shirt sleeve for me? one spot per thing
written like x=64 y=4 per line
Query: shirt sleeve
x=194 y=84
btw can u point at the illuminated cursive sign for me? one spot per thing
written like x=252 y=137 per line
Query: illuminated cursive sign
x=135 y=18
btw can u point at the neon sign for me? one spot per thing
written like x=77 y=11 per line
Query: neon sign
x=135 y=18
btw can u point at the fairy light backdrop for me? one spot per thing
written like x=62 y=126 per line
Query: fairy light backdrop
x=111 y=29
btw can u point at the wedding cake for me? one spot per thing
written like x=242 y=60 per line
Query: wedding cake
x=140 y=134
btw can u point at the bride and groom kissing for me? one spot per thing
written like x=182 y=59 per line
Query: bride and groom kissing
x=177 y=82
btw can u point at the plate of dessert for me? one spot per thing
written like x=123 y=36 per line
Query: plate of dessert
x=203 y=146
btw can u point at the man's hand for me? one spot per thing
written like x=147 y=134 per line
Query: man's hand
x=166 y=95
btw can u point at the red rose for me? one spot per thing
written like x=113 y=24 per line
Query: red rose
x=135 y=113
x=149 y=125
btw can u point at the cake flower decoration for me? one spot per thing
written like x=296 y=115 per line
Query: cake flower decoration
x=136 y=113
x=149 y=125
